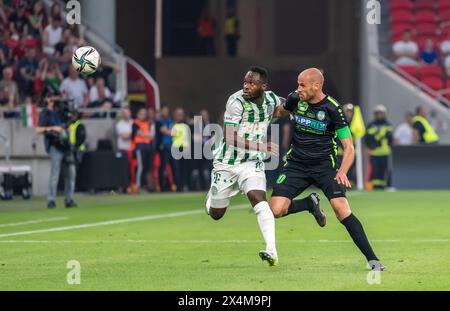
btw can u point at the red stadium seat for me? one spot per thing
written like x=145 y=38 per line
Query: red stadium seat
x=444 y=32
x=427 y=71
x=424 y=5
x=425 y=16
x=411 y=70
x=443 y=5
x=401 y=16
x=401 y=5
x=444 y=16
x=398 y=29
x=433 y=83
x=448 y=84
x=426 y=30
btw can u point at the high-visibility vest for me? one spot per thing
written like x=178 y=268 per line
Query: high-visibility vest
x=144 y=127
x=230 y=26
x=380 y=134
x=430 y=135
x=73 y=128
x=180 y=136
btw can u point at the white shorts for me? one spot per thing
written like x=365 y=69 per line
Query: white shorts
x=228 y=180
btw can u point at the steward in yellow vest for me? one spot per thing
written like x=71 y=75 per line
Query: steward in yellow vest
x=379 y=140
x=423 y=132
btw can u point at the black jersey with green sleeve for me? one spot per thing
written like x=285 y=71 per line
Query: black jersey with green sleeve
x=316 y=128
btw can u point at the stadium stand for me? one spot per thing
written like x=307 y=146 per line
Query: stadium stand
x=426 y=20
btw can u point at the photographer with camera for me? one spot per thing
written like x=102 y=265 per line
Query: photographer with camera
x=54 y=121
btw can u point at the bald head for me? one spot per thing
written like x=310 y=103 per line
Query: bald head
x=313 y=75
x=310 y=83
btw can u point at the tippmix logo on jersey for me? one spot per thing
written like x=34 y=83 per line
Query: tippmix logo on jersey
x=310 y=123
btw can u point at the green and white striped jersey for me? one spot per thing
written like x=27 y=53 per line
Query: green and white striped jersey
x=252 y=121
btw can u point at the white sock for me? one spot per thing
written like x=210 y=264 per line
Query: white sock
x=266 y=223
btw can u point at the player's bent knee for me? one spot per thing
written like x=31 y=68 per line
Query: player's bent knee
x=279 y=206
x=341 y=208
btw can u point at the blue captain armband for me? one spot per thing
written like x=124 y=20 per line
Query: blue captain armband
x=344 y=132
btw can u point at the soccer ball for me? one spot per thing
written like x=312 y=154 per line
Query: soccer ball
x=86 y=60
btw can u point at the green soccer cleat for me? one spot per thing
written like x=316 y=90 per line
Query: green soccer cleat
x=272 y=260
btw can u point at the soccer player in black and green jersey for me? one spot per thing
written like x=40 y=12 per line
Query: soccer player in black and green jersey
x=311 y=160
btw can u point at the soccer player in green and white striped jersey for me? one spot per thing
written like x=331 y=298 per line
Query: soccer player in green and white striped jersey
x=238 y=159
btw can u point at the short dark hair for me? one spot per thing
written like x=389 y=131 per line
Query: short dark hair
x=261 y=71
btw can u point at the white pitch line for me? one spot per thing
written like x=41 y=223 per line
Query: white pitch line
x=32 y=222
x=115 y=222
x=205 y=241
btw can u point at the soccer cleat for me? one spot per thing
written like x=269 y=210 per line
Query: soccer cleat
x=51 y=204
x=376 y=265
x=272 y=260
x=71 y=204
x=317 y=212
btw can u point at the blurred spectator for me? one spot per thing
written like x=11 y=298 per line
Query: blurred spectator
x=37 y=19
x=205 y=31
x=75 y=88
x=232 y=34
x=18 y=21
x=429 y=54
x=445 y=46
x=201 y=167
x=8 y=103
x=106 y=70
x=164 y=145
x=65 y=60
x=55 y=11
x=423 y=132
x=403 y=134
x=141 y=143
x=19 y=51
x=123 y=130
x=5 y=12
x=4 y=48
x=52 y=35
x=28 y=71
x=379 y=140
x=63 y=42
x=447 y=65
x=8 y=82
x=100 y=97
x=181 y=144
x=405 y=51
x=51 y=75
x=99 y=92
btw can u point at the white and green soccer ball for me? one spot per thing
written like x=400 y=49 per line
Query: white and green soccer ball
x=86 y=60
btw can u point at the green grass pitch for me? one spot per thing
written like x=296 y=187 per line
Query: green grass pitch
x=167 y=242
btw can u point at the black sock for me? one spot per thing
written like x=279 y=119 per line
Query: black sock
x=356 y=231
x=299 y=206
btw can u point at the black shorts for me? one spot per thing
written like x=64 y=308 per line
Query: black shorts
x=297 y=176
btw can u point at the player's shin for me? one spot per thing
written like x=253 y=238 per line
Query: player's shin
x=301 y=205
x=356 y=231
x=266 y=223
